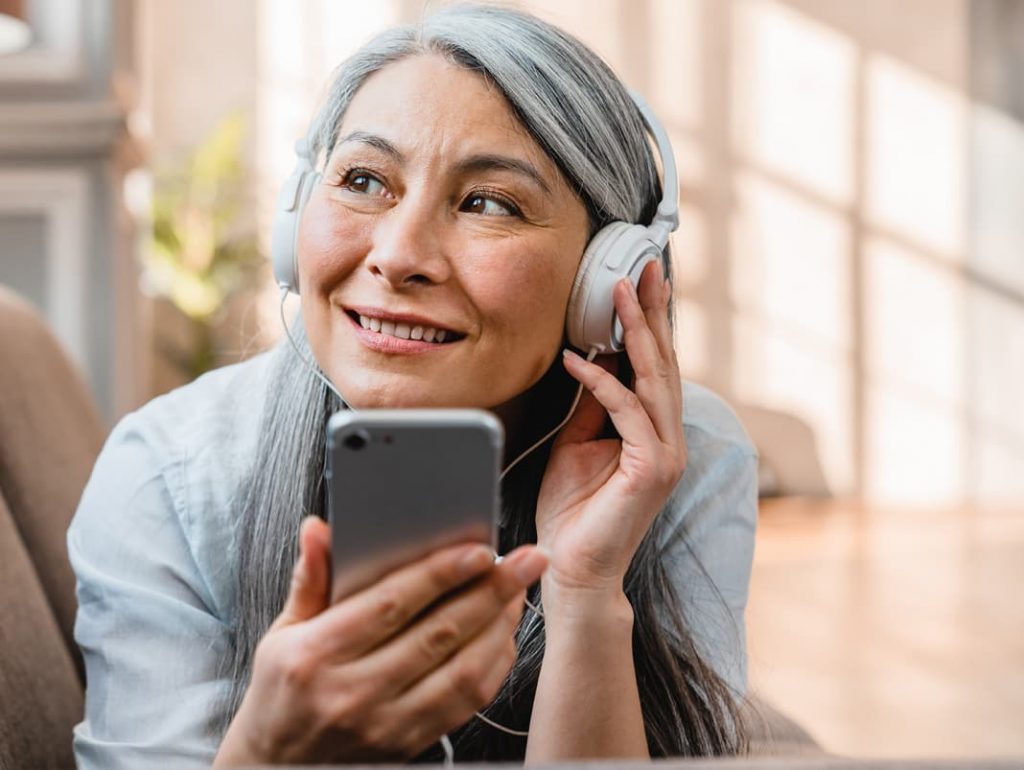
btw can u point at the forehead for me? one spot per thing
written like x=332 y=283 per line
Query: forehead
x=425 y=102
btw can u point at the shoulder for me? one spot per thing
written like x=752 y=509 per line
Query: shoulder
x=165 y=482
x=711 y=426
x=718 y=489
x=222 y=406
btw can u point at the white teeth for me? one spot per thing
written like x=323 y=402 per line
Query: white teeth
x=403 y=330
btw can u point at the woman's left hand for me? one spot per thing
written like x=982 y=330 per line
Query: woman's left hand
x=599 y=497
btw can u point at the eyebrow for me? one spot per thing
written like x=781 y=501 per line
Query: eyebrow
x=489 y=162
x=373 y=140
x=479 y=162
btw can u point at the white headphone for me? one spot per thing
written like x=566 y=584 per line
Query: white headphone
x=618 y=250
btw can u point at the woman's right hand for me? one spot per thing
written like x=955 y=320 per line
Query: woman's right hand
x=382 y=674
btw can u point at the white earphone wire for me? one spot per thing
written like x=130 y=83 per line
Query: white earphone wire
x=309 y=364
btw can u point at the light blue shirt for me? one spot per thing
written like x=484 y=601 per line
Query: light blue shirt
x=154 y=548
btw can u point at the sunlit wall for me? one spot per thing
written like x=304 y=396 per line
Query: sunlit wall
x=852 y=248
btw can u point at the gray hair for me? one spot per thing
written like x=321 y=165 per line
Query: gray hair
x=580 y=113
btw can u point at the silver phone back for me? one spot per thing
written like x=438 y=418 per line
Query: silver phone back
x=404 y=482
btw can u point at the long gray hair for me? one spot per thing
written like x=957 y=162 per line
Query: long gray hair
x=575 y=107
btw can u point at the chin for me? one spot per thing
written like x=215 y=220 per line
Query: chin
x=402 y=395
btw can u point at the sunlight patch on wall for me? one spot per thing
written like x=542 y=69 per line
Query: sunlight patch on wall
x=690 y=250
x=915 y=428
x=676 y=42
x=793 y=97
x=914 y=453
x=916 y=162
x=914 y=322
x=775 y=371
x=997 y=206
x=996 y=372
x=595 y=22
x=791 y=263
x=691 y=337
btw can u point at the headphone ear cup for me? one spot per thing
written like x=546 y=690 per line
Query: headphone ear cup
x=291 y=202
x=591 y=312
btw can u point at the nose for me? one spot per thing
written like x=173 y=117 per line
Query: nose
x=406 y=247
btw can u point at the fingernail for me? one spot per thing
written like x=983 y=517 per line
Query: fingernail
x=566 y=353
x=475 y=561
x=529 y=567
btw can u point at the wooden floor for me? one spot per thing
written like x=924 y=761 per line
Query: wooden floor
x=892 y=633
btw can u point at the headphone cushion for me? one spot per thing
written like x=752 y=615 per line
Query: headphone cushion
x=290 y=204
x=612 y=254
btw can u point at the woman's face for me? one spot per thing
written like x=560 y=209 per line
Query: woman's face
x=437 y=213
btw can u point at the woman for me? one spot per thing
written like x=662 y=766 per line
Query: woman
x=466 y=162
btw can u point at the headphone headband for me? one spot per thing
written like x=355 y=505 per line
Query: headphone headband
x=666 y=218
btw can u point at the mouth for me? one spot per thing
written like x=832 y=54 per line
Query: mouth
x=404 y=331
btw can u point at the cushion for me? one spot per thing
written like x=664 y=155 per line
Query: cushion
x=50 y=434
x=41 y=693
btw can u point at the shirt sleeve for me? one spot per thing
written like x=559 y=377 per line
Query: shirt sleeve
x=709 y=549
x=151 y=640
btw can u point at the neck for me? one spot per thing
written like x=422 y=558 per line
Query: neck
x=534 y=412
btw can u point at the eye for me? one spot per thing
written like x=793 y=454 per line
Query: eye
x=489 y=205
x=363 y=182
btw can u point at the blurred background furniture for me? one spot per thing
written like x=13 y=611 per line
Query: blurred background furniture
x=50 y=434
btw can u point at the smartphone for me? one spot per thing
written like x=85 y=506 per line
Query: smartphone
x=402 y=483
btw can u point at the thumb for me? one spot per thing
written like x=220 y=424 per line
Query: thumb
x=308 y=594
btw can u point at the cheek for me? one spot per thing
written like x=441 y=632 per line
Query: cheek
x=526 y=295
x=328 y=245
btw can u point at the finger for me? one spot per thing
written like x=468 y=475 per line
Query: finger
x=655 y=383
x=623 y=406
x=654 y=292
x=588 y=420
x=466 y=683
x=308 y=594
x=366 y=619
x=445 y=629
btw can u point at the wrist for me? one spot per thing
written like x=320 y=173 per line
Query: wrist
x=236 y=749
x=592 y=608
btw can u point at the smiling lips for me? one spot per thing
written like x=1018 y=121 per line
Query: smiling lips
x=393 y=334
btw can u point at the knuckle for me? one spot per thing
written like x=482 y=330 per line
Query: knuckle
x=414 y=740
x=668 y=472
x=630 y=399
x=345 y=714
x=439 y=641
x=466 y=681
x=376 y=736
x=388 y=608
x=295 y=666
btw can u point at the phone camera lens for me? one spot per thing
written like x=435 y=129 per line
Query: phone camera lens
x=356 y=441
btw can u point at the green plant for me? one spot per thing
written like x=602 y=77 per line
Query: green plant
x=203 y=248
